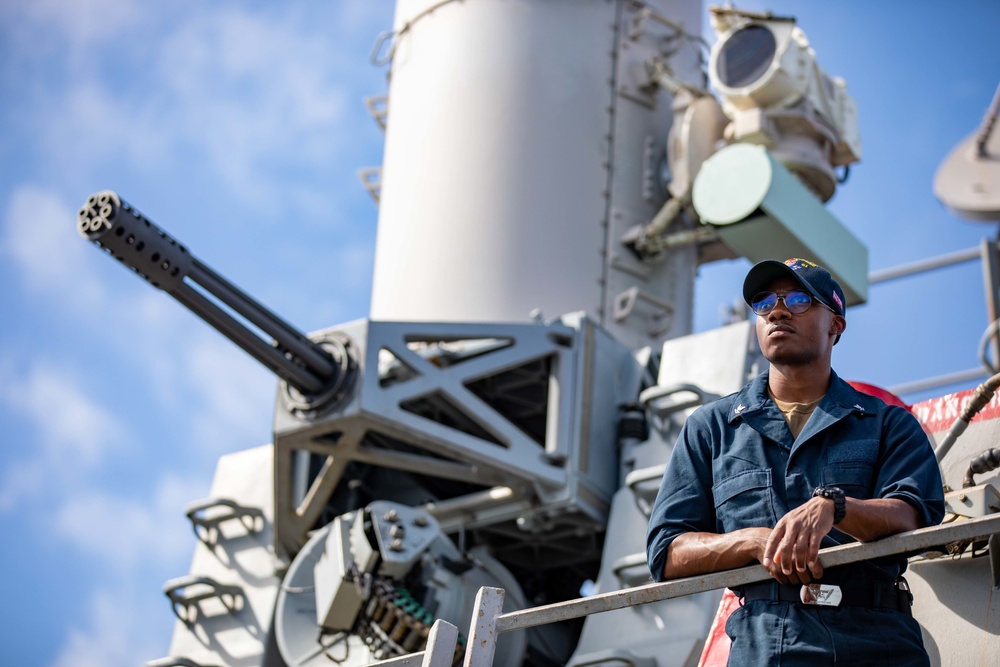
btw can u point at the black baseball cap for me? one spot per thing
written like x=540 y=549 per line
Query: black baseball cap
x=814 y=278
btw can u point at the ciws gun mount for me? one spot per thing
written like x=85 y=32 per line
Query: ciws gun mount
x=316 y=373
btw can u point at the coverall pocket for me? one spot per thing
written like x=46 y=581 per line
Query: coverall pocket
x=856 y=479
x=745 y=500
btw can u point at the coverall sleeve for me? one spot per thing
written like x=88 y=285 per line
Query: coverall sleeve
x=684 y=502
x=908 y=469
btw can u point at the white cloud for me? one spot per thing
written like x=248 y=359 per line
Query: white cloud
x=22 y=479
x=253 y=90
x=74 y=430
x=235 y=396
x=360 y=15
x=37 y=234
x=117 y=634
x=76 y=27
x=246 y=93
x=86 y=21
x=125 y=533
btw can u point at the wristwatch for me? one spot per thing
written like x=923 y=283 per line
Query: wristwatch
x=838 y=497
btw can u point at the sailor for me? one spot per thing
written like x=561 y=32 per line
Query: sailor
x=796 y=461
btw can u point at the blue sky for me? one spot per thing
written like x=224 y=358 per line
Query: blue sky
x=239 y=127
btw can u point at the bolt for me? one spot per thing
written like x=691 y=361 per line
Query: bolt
x=391 y=516
x=397 y=530
x=963 y=497
x=396 y=545
x=420 y=521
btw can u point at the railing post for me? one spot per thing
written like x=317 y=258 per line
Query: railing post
x=441 y=643
x=482 y=642
x=991 y=284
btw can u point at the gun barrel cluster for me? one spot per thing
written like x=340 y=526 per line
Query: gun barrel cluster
x=112 y=224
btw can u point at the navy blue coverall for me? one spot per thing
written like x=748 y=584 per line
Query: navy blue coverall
x=736 y=465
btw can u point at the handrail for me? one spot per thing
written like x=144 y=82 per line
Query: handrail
x=986 y=252
x=489 y=623
x=925 y=265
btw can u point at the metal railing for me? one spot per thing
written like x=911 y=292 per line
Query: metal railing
x=986 y=253
x=489 y=621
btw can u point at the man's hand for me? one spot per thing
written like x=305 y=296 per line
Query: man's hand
x=791 y=552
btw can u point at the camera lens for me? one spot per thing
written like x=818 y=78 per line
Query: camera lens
x=745 y=56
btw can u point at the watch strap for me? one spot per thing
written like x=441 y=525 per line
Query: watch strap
x=838 y=497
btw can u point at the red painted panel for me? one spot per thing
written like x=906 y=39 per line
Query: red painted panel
x=938 y=414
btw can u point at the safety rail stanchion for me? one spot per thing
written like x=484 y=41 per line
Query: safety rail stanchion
x=483 y=631
x=489 y=621
x=441 y=643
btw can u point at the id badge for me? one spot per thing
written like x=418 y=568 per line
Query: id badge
x=825 y=595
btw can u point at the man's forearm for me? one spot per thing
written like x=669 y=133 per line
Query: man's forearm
x=867 y=520
x=699 y=553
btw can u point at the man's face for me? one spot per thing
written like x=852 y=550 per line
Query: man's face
x=789 y=339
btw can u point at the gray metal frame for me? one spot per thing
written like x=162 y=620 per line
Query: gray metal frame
x=573 y=471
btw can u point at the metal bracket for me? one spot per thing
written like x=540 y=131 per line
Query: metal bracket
x=371 y=179
x=625 y=570
x=648 y=396
x=381 y=55
x=659 y=319
x=378 y=107
x=974 y=501
x=643 y=15
x=205 y=588
x=206 y=523
x=634 y=482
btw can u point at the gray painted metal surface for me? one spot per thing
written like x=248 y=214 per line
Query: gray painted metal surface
x=550 y=108
x=236 y=554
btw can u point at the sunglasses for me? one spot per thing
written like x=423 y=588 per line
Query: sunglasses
x=796 y=302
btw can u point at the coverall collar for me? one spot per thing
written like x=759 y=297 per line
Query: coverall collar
x=753 y=405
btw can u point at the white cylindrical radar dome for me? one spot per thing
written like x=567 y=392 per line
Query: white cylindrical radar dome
x=521 y=142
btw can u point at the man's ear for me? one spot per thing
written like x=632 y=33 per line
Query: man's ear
x=838 y=325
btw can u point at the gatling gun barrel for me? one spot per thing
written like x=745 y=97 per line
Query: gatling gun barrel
x=315 y=370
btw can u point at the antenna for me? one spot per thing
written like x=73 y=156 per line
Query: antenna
x=968 y=181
